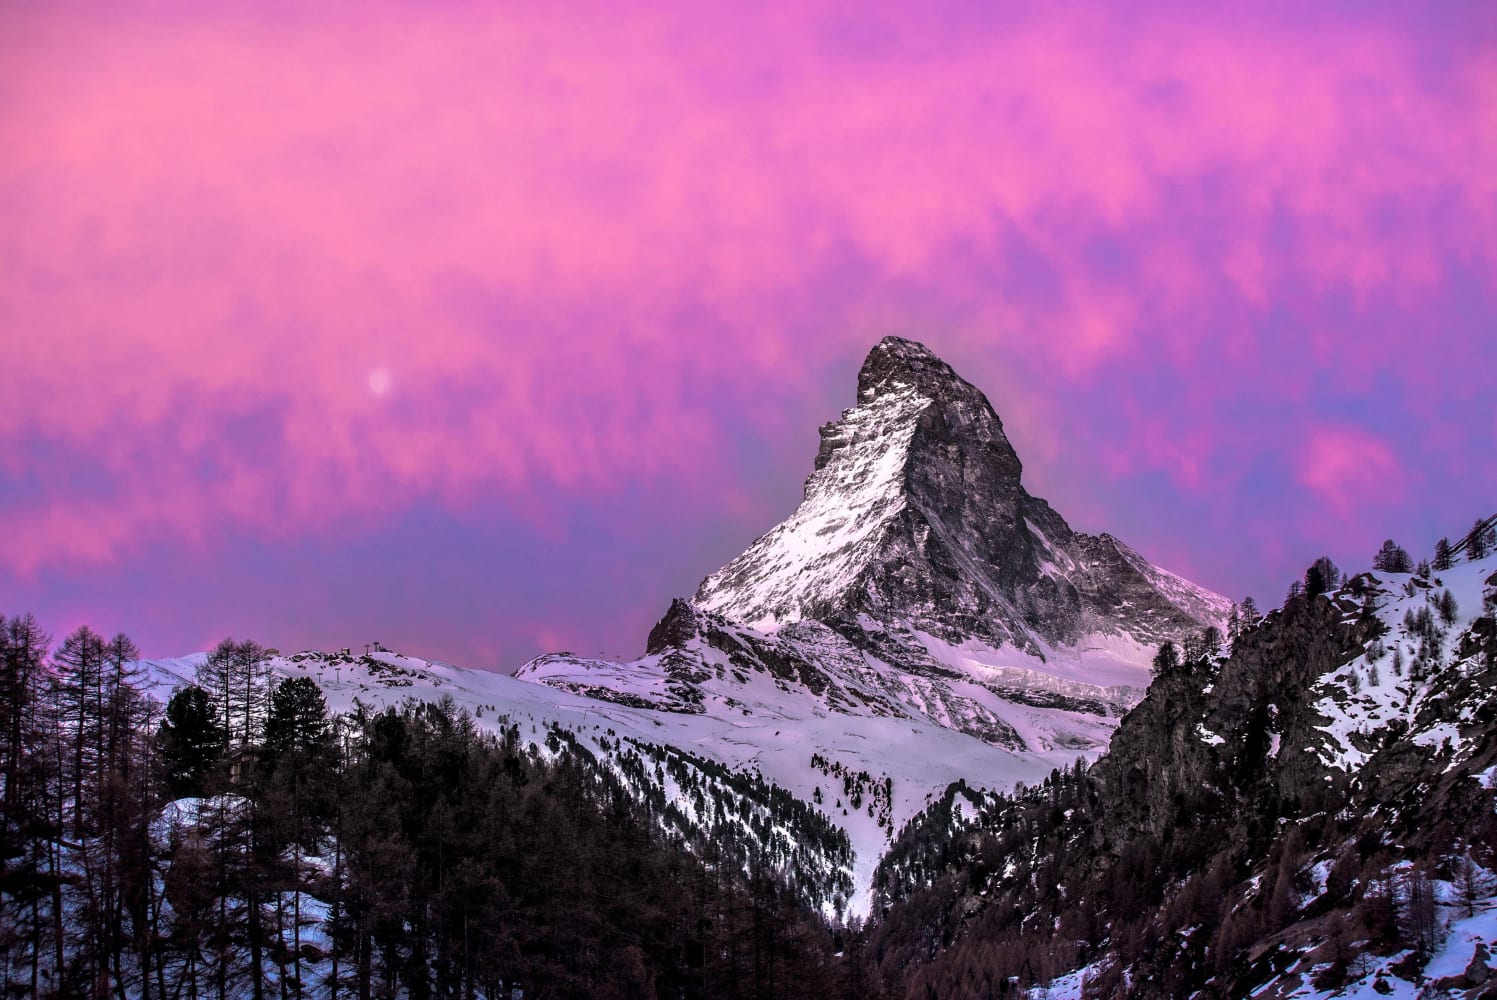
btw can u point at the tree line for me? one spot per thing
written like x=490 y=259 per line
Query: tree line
x=243 y=841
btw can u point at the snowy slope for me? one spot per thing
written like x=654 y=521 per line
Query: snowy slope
x=1463 y=936
x=760 y=731
x=1383 y=720
x=812 y=558
x=1410 y=668
x=919 y=615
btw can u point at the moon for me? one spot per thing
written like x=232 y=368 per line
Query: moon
x=380 y=381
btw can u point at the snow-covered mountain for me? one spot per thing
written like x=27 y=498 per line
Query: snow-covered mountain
x=916 y=513
x=918 y=579
x=920 y=618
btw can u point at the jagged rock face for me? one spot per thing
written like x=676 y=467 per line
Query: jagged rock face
x=916 y=512
x=1200 y=738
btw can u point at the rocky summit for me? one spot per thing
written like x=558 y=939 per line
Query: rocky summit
x=916 y=514
x=919 y=578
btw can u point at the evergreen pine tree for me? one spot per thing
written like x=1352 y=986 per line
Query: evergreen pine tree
x=298 y=721
x=1322 y=576
x=1478 y=541
x=192 y=741
x=1392 y=558
x=1166 y=659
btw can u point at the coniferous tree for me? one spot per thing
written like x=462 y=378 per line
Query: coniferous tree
x=251 y=698
x=123 y=704
x=1472 y=883
x=1211 y=641
x=235 y=676
x=192 y=741
x=1478 y=540
x=1449 y=609
x=23 y=652
x=1202 y=646
x=25 y=887
x=1167 y=658
x=216 y=677
x=298 y=792
x=1250 y=615
x=1322 y=576
x=298 y=721
x=79 y=663
x=1392 y=558
x=120 y=801
x=1416 y=910
x=1442 y=555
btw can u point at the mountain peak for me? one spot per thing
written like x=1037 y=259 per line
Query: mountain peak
x=915 y=513
x=895 y=361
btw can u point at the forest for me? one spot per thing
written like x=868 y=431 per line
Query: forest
x=1182 y=866
x=242 y=842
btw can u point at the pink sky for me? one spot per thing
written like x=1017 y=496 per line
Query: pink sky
x=482 y=331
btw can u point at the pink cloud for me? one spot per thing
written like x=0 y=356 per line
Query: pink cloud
x=1350 y=470
x=552 y=231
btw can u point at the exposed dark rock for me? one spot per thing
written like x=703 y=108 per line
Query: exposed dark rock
x=1477 y=971
x=676 y=628
x=1256 y=819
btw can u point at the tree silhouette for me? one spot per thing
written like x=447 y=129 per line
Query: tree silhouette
x=192 y=741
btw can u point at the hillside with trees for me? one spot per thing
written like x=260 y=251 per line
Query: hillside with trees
x=240 y=842
x=1310 y=810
